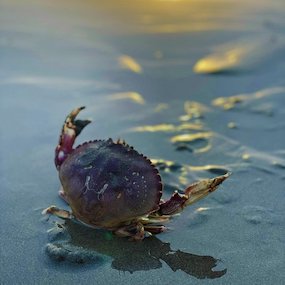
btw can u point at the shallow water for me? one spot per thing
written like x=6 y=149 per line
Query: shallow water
x=197 y=86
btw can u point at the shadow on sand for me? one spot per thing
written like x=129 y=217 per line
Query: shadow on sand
x=73 y=239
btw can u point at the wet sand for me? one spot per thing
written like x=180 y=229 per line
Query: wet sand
x=200 y=93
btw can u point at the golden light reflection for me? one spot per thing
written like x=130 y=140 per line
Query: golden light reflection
x=185 y=172
x=67 y=19
x=221 y=61
x=202 y=209
x=154 y=128
x=188 y=138
x=183 y=179
x=195 y=110
x=129 y=63
x=132 y=96
x=167 y=163
x=246 y=156
x=167 y=128
x=203 y=149
x=170 y=0
x=228 y=103
x=243 y=54
x=232 y=125
x=208 y=167
x=173 y=16
x=191 y=137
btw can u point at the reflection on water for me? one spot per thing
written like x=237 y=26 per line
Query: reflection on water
x=133 y=96
x=129 y=63
x=73 y=18
x=187 y=138
x=192 y=135
x=177 y=176
x=167 y=127
x=194 y=110
x=239 y=55
x=230 y=102
x=150 y=16
x=82 y=39
x=79 y=244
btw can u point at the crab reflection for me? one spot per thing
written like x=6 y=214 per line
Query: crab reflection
x=138 y=256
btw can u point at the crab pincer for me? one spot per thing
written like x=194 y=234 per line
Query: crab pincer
x=70 y=130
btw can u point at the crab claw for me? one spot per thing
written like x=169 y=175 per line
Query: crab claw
x=191 y=194
x=76 y=125
x=70 y=130
x=200 y=189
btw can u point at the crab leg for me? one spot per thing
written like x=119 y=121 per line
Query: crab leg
x=134 y=231
x=70 y=130
x=191 y=194
x=53 y=210
x=155 y=229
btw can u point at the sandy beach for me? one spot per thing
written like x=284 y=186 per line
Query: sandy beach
x=196 y=86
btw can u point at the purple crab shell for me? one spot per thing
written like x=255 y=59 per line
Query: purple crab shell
x=108 y=184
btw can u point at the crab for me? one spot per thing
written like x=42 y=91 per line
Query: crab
x=109 y=185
